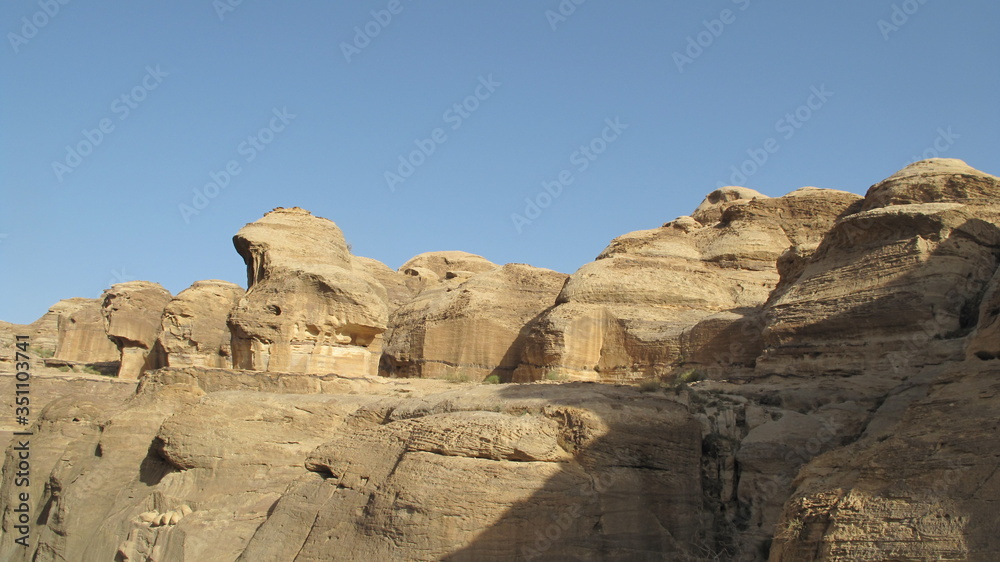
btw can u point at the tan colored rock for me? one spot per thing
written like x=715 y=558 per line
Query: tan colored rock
x=711 y=208
x=89 y=347
x=193 y=326
x=891 y=287
x=307 y=309
x=433 y=268
x=468 y=330
x=397 y=291
x=82 y=337
x=984 y=342
x=544 y=476
x=132 y=313
x=658 y=299
x=937 y=180
x=45 y=330
x=868 y=432
x=922 y=484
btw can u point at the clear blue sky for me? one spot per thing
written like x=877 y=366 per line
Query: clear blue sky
x=114 y=215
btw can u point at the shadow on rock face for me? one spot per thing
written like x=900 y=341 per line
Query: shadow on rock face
x=153 y=467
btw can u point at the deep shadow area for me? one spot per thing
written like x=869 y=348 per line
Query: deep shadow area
x=153 y=468
x=633 y=490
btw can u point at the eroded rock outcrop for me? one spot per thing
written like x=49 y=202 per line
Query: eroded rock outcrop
x=132 y=312
x=893 y=286
x=71 y=331
x=82 y=335
x=469 y=329
x=430 y=269
x=193 y=326
x=851 y=416
x=686 y=293
x=269 y=471
x=921 y=484
x=306 y=309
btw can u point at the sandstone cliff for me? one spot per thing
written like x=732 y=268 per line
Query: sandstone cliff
x=469 y=328
x=848 y=409
x=686 y=294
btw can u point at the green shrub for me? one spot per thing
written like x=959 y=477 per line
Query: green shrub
x=457 y=376
x=105 y=372
x=690 y=376
x=556 y=376
x=492 y=379
x=650 y=385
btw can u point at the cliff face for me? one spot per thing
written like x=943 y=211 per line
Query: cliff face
x=471 y=328
x=818 y=381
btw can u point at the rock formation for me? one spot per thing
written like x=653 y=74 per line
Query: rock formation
x=468 y=328
x=72 y=330
x=82 y=337
x=432 y=268
x=193 y=326
x=132 y=313
x=905 y=273
x=306 y=309
x=849 y=412
x=397 y=291
x=687 y=293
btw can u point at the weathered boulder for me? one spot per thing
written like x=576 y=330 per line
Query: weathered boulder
x=193 y=326
x=306 y=309
x=132 y=312
x=468 y=330
x=657 y=299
